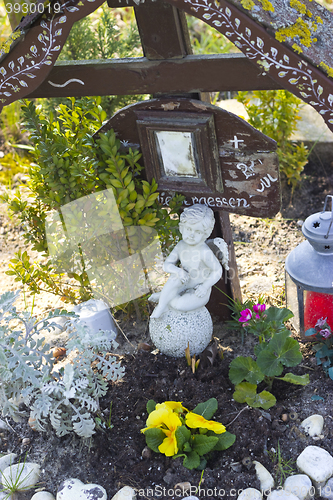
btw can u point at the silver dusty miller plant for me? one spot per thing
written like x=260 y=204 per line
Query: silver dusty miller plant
x=67 y=398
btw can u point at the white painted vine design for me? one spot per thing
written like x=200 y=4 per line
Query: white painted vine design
x=269 y=54
x=15 y=74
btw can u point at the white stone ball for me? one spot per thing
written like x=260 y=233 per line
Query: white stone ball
x=175 y=330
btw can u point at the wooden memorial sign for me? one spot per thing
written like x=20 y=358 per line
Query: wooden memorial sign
x=206 y=153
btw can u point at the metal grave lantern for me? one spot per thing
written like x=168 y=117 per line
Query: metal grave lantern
x=309 y=272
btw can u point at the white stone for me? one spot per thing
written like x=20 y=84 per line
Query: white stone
x=174 y=331
x=313 y=425
x=5 y=461
x=300 y=485
x=126 y=493
x=281 y=495
x=327 y=490
x=22 y=476
x=250 y=494
x=265 y=478
x=4 y=426
x=4 y=496
x=42 y=495
x=72 y=488
x=317 y=464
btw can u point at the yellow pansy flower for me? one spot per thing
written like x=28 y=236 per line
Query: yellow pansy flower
x=195 y=421
x=157 y=418
x=169 y=445
x=173 y=406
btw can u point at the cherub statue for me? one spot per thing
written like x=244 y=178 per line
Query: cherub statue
x=190 y=285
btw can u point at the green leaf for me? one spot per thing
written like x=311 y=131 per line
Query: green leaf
x=263 y=400
x=154 y=437
x=247 y=393
x=278 y=314
x=310 y=332
x=225 y=440
x=206 y=409
x=243 y=391
x=330 y=373
x=245 y=368
x=296 y=379
x=183 y=436
x=203 y=444
x=192 y=460
x=151 y=405
x=281 y=351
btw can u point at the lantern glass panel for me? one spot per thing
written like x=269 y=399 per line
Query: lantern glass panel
x=316 y=306
x=292 y=301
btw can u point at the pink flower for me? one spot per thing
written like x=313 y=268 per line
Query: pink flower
x=257 y=316
x=258 y=308
x=325 y=333
x=246 y=315
x=321 y=322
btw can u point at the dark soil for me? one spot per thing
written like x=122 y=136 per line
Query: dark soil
x=118 y=457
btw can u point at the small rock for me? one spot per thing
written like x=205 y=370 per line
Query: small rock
x=284 y=417
x=32 y=423
x=313 y=425
x=265 y=478
x=74 y=488
x=317 y=464
x=327 y=490
x=22 y=476
x=4 y=496
x=300 y=485
x=4 y=426
x=247 y=462
x=126 y=493
x=250 y=494
x=25 y=441
x=58 y=352
x=281 y=495
x=169 y=478
x=182 y=486
x=146 y=452
x=6 y=460
x=43 y=495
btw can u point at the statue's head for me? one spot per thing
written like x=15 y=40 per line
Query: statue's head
x=199 y=215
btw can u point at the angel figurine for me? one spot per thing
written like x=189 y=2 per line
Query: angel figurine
x=190 y=285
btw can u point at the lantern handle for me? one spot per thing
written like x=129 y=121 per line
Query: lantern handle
x=324 y=216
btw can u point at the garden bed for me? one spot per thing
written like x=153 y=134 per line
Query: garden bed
x=117 y=455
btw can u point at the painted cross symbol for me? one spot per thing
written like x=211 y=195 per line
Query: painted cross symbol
x=236 y=141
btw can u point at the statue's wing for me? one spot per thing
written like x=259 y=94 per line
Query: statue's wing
x=220 y=249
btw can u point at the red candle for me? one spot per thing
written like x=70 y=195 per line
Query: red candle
x=317 y=306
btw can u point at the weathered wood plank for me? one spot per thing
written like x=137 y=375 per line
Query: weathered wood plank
x=223 y=72
x=163 y=30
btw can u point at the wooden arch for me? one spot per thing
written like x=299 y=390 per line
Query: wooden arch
x=28 y=69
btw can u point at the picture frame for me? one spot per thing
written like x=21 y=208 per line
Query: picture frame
x=180 y=151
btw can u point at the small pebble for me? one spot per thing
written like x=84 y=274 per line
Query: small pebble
x=43 y=495
x=58 y=352
x=146 y=452
x=313 y=425
x=250 y=494
x=72 y=488
x=265 y=478
x=126 y=493
x=182 y=486
x=6 y=460
x=28 y=474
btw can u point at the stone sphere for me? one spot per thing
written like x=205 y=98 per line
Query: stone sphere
x=174 y=330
